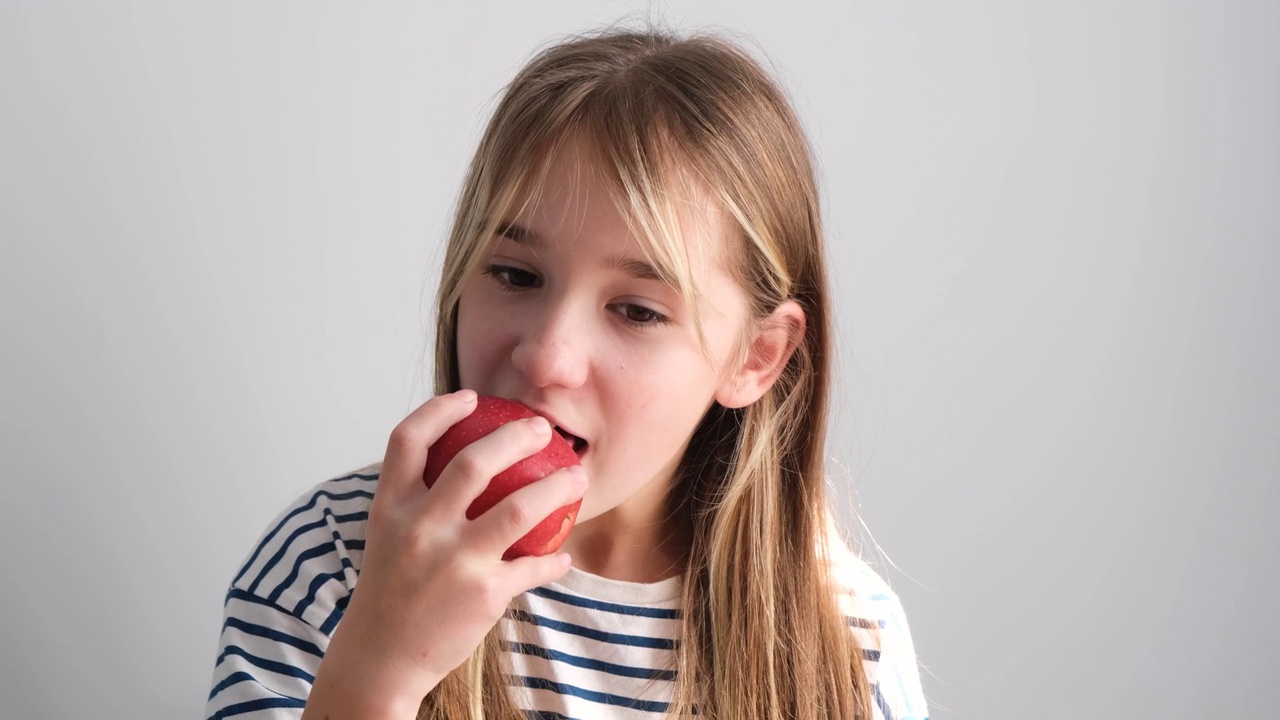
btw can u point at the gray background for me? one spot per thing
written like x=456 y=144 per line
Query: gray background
x=1055 y=241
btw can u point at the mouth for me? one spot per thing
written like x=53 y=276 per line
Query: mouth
x=579 y=445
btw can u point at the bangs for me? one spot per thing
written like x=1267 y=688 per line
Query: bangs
x=692 y=165
x=654 y=184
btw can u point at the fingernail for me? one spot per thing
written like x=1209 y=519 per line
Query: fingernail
x=578 y=474
x=466 y=395
x=539 y=425
x=565 y=559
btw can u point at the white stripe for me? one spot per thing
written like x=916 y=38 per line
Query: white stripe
x=864 y=595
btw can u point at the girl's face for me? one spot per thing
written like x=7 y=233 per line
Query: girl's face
x=566 y=316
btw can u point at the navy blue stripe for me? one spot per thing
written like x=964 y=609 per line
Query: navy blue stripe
x=324 y=520
x=278 y=668
x=236 y=593
x=261 y=704
x=596 y=697
x=631 y=610
x=884 y=704
x=297 y=511
x=332 y=622
x=273 y=635
x=872 y=655
x=315 y=552
x=588 y=663
x=864 y=623
x=316 y=583
x=326 y=628
x=615 y=638
x=232 y=679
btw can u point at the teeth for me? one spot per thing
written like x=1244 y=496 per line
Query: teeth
x=577 y=442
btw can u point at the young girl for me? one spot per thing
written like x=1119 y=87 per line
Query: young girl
x=637 y=255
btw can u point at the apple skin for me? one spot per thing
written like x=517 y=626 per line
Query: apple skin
x=491 y=413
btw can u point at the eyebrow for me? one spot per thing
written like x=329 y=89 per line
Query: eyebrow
x=520 y=234
x=638 y=269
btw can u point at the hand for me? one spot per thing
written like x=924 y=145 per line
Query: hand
x=433 y=583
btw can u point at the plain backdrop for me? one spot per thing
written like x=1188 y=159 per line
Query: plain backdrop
x=1055 y=243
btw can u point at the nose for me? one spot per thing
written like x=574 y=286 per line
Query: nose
x=552 y=351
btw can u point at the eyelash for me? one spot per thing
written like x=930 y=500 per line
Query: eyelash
x=502 y=275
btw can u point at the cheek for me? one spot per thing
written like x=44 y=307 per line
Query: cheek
x=660 y=400
x=477 y=339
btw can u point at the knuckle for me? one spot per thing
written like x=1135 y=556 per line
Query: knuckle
x=405 y=435
x=491 y=596
x=469 y=466
x=479 y=588
x=518 y=515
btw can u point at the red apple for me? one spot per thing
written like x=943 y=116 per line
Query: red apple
x=490 y=413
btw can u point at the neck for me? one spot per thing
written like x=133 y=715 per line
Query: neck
x=641 y=553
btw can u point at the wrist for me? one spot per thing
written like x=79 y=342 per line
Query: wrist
x=357 y=681
x=351 y=699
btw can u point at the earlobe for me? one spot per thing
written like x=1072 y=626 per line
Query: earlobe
x=768 y=352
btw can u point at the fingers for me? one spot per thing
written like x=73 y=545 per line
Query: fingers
x=514 y=516
x=407 y=449
x=471 y=470
x=530 y=572
x=467 y=474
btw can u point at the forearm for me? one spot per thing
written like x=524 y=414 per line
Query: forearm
x=352 y=685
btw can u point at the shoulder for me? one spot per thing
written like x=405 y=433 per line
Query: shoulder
x=307 y=559
x=287 y=598
x=878 y=620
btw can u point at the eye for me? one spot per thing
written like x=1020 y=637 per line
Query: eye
x=639 y=315
x=512 y=279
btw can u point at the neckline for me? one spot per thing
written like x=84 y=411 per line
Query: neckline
x=597 y=587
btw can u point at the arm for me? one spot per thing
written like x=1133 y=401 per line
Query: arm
x=432 y=583
x=877 y=619
x=267 y=660
x=286 y=600
x=896 y=690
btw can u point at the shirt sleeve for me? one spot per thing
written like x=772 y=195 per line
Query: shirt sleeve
x=286 y=600
x=877 y=619
x=896 y=691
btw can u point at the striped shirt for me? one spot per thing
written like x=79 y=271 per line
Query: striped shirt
x=582 y=647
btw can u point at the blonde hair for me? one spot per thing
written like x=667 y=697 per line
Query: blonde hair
x=763 y=635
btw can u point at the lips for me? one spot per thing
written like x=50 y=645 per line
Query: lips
x=578 y=442
x=579 y=445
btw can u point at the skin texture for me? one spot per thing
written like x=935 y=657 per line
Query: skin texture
x=553 y=320
x=433 y=583
x=490 y=414
x=561 y=325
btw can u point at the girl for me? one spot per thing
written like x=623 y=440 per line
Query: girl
x=637 y=255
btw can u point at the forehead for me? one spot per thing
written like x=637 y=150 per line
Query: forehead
x=669 y=219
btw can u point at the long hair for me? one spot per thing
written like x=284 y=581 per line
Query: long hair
x=763 y=636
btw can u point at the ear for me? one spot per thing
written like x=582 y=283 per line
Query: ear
x=768 y=351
